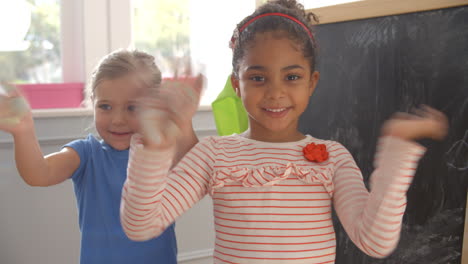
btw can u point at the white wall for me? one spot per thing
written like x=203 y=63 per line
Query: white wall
x=40 y=224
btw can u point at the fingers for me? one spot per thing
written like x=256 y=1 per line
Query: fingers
x=416 y=113
x=435 y=121
x=424 y=112
x=10 y=94
x=6 y=110
x=199 y=81
x=185 y=83
x=12 y=104
x=435 y=114
x=404 y=116
x=422 y=122
x=157 y=129
x=169 y=109
x=182 y=95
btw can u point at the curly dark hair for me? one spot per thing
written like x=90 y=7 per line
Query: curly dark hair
x=276 y=23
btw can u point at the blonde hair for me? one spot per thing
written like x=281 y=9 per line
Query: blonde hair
x=123 y=62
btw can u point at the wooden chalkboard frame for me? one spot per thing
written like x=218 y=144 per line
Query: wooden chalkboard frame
x=464 y=259
x=377 y=8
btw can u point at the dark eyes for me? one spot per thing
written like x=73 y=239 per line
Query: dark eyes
x=107 y=107
x=257 y=78
x=131 y=108
x=290 y=77
x=104 y=107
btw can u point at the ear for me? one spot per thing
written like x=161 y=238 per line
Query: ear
x=235 y=85
x=314 y=78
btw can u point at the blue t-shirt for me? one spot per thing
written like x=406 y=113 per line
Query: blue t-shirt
x=98 y=185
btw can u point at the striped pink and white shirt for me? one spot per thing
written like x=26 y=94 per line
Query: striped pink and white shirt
x=271 y=205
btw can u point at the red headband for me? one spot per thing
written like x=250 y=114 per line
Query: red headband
x=273 y=14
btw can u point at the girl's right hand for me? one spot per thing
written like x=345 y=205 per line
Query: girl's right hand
x=15 y=114
x=424 y=122
x=168 y=111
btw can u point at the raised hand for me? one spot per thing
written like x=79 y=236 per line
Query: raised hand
x=424 y=122
x=15 y=115
x=168 y=111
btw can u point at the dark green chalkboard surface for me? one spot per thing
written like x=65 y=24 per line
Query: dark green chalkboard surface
x=372 y=68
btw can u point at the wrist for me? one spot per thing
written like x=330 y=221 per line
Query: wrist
x=156 y=143
x=24 y=133
x=396 y=134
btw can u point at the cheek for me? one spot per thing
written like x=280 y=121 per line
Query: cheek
x=252 y=96
x=98 y=117
x=97 y=120
x=134 y=122
x=302 y=101
x=100 y=128
x=246 y=98
x=100 y=120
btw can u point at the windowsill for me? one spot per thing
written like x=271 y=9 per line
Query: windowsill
x=61 y=112
x=71 y=112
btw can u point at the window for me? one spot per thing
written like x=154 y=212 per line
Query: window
x=30 y=46
x=177 y=32
x=185 y=31
x=31 y=55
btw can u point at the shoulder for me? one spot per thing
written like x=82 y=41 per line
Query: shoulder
x=84 y=145
x=90 y=139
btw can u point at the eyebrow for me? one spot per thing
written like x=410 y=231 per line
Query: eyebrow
x=292 y=67
x=263 y=68
x=109 y=101
x=255 y=67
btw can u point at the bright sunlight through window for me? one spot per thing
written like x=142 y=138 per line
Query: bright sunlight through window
x=178 y=32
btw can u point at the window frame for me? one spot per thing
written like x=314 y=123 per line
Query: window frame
x=90 y=29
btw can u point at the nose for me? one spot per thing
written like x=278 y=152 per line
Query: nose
x=119 y=117
x=275 y=89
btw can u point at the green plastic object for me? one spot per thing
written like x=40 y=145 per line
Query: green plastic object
x=229 y=112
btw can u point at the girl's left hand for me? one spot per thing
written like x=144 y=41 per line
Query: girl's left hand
x=15 y=113
x=424 y=122
x=168 y=111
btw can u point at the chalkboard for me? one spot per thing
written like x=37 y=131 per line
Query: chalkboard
x=372 y=68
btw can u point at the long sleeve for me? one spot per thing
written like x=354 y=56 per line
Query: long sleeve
x=373 y=219
x=153 y=197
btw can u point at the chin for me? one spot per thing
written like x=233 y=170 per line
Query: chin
x=119 y=146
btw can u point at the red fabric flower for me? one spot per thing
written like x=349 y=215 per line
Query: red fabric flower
x=315 y=152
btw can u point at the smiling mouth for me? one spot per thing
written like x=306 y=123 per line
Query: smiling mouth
x=275 y=110
x=120 y=133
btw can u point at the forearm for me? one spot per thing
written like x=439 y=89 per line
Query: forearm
x=395 y=168
x=29 y=158
x=185 y=141
x=141 y=213
x=373 y=220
